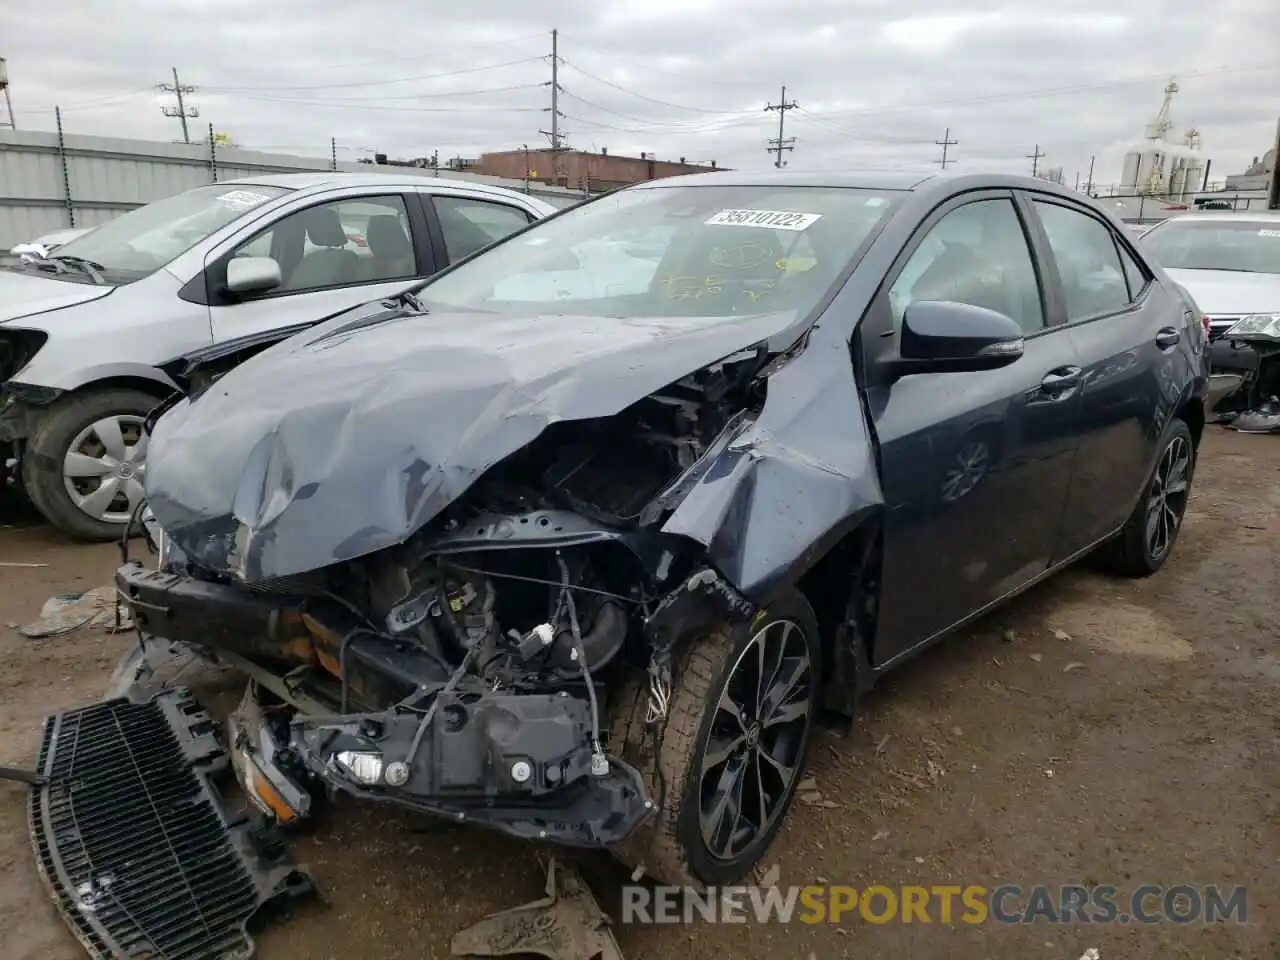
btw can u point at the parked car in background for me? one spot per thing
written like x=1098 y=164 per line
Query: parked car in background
x=84 y=330
x=834 y=418
x=1229 y=261
x=42 y=246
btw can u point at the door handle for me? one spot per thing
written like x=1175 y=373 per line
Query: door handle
x=1061 y=380
x=1167 y=337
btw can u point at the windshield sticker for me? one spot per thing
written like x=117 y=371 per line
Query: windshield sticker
x=769 y=219
x=243 y=199
x=1269 y=233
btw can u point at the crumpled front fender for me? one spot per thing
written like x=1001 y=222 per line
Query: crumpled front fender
x=792 y=483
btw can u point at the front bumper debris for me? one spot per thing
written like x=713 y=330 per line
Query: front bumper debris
x=566 y=924
x=133 y=841
x=517 y=761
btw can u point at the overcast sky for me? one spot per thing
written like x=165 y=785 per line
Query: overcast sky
x=876 y=81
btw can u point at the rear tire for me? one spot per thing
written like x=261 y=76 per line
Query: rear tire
x=701 y=747
x=69 y=424
x=1147 y=539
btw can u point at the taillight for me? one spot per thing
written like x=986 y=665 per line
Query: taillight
x=1207 y=326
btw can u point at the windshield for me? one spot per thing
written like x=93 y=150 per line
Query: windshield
x=1250 y=246
x=679 y=251
x=142 y=241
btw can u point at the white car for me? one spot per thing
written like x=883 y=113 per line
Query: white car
x=84 y=329
x=1229 y=262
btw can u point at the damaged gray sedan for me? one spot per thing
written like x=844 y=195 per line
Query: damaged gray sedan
x=582 y=544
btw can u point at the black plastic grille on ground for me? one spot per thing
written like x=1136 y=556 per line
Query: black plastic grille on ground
x=133 y=840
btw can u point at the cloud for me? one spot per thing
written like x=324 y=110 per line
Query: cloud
x=877 y=83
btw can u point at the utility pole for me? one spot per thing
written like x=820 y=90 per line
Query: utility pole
x=1088 y=184
x=779 y=143
x=944 y=143
x=1034 y=157
x=1273 y=191
x=555 y=134
x=180 y=111
x=4 y=88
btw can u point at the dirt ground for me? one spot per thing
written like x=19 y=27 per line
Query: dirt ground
x=1095 y=731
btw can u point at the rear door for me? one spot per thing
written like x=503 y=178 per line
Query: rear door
x=335 y=253
x=462 y=223
x=1132 y=338
x=975 y=467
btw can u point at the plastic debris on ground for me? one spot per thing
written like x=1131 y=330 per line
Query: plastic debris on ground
x=64 y=613
x=566 y=924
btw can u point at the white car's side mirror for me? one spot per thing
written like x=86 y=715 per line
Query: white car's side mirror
x=253 y=274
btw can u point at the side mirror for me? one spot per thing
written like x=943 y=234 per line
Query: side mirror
x=941 y=336
x=253 y=274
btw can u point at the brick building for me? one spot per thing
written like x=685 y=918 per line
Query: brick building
x=580 y=170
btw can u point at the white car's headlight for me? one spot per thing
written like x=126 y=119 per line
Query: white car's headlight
x=1256 y=325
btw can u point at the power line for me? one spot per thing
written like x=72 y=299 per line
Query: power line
x=661 y=103
x=1034 y=157
x=484 y=45
x=84 y=104
x=337 y=104
x=779 y=143
x=380 y=83
x=180 y=111
x=407 y=96
x=944 y=143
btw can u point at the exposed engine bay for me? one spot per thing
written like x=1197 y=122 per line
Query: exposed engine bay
x=467 y=671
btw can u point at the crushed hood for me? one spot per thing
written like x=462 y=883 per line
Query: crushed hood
x=350 y=437
x=1230 y=292
x=23 y=293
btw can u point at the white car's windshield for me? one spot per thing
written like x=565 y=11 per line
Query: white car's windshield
x=692 y=251
x=144 y=240
x=1249 y=246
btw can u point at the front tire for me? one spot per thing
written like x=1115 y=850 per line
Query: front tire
x=1146 y=540
x=84 y=467
x=732 y=750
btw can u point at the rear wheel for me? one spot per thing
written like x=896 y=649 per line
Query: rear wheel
x=731 y=749
x=84 y=467
x=1147 y=538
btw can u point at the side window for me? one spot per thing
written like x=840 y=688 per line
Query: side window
x=343 y=242
x=1134 y=274
x=976 y=254
x=469 y=224
x=1093 y=278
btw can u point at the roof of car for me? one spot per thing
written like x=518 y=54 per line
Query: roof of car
x=1230 y=216
x=863 y=179
x=333 y=179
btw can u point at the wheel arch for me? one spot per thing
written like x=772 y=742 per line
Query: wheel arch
x=130 y=376
x=1192 y=413
x=843 y=588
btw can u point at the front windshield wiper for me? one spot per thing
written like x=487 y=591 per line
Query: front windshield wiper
x=410 y=299
x=379 y=317
x=93 y=270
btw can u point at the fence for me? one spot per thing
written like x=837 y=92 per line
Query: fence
x=50 y=181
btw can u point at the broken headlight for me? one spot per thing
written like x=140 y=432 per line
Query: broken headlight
x=1256 y=325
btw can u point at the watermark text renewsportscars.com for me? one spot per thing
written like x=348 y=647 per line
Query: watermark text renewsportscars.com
x=1182 y=904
